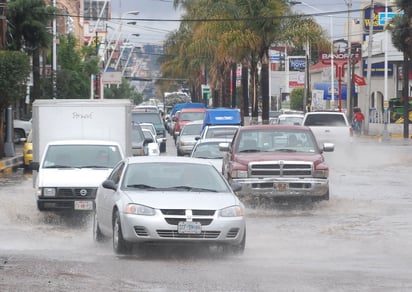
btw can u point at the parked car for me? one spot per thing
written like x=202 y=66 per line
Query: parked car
x=188 y=137
x=152 y=147
x=289 y=119
x=21 y=130
x=28 y=150
x=208 y=148
x=168 y=200
x=274 y=162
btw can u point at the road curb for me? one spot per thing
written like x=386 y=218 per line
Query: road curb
x=7 y=165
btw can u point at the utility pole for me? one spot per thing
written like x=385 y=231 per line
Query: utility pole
x=369 y=68
x=3 y=23
x=349 y=95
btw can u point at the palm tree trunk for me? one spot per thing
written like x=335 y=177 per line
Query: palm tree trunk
x=244 y=105
x=265 y=88
x=36 y=74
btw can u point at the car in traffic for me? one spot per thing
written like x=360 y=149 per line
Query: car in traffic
x=185 y=116
x=152 y=147
x=219 y=131
x=21 y=129
x=208 y=148
x=288 y=119
x=329 y=126
x=187 y=137
x=277 y=162
x=154 y=118
x=168 y=200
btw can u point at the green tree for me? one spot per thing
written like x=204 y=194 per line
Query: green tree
x=124 y=90
x=401 y=28
x=296 y=99
x=14 y=71
x=29 y=20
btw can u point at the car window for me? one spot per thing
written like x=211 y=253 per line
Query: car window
x=325 y=120
x=174 y=177
x=116 y=173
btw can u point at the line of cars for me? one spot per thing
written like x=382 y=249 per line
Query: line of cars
x=200 y=199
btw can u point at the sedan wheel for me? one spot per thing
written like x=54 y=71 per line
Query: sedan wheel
x=97 y=233
x=120 y=245
x=239 y=248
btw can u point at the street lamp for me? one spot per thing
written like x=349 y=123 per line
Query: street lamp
x=332 y=73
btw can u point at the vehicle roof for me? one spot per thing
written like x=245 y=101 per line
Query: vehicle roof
x=274 y=127
x=168 y=159
x=291 y=115
x=192 y=109
x=83 y=142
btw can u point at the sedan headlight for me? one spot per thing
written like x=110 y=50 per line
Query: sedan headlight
x=49 y=192
x=233 y=211
x=137 y=209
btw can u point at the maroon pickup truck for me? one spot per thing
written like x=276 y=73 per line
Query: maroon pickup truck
x=277 y=161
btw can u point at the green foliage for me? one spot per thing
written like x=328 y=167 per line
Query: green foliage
x=14 y=71
x=296 y=99
x=123 y=91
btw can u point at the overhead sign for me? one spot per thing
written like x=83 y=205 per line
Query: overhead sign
x=112 y=77
x=383 y=19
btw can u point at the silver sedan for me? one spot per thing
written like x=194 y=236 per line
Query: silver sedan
x=170 y=200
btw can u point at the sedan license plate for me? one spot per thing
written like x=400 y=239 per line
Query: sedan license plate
x=83 y=205
x=189 y=227
x=281 y=187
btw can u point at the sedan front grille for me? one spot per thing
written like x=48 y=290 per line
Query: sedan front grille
x=280 y=168
x=174 y=234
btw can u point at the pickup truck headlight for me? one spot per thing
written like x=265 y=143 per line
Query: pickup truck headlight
x=239 y=173
x=233 y=211
x=49 y=192
x=321 y=173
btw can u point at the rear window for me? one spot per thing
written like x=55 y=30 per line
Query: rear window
x=325 y=120
x=142 y=117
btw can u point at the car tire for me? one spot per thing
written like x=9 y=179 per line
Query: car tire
x=97 y=233
x=120 y=245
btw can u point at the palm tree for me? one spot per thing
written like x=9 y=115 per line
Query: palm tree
x=29 y=20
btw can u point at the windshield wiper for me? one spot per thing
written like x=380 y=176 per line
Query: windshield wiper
x=59 y=166
x=142 y=186
x=249 y=150
x=93 y=166
x=192 y=189
x=286 y=150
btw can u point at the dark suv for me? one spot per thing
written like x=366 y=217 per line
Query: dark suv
x=139 y=117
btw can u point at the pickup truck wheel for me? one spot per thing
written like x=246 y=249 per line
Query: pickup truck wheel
x=97 y=233
x=120 y=245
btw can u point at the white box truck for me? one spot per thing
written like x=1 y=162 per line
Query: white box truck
x=76 y=144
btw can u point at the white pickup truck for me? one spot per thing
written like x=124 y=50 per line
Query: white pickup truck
x=329 y=126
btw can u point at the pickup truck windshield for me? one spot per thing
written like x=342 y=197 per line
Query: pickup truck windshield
x=82 y=156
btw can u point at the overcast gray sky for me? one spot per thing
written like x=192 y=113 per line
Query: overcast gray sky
x=160 y=10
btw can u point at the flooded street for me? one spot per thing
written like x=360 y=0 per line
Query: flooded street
x=358 y=241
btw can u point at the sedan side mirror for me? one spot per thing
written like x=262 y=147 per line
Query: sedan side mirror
x=109 y=184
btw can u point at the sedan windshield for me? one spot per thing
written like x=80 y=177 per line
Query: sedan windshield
x=174 y=177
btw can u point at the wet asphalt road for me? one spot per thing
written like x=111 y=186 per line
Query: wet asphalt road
x=358 y=241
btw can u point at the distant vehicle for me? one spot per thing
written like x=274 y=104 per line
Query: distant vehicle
x=139 y=141
x=152 y=148
x=151 y=128
x=168 y=200
x=155 y=119
x=21 y=130
x=276 y=162
x=219 y=131
x=187 y=137
x=146 y=108
x=222 y=116
x=329 y=126
x=208 y=148
x=289 y=119
x=185 y=116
